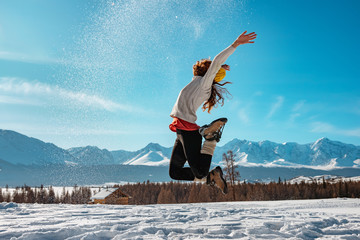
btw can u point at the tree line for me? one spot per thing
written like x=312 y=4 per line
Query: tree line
x=177 y=192
x=46 y=195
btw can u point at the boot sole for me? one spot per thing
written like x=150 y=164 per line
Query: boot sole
x=215 y=125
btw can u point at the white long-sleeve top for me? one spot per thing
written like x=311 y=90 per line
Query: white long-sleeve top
x=193 y=95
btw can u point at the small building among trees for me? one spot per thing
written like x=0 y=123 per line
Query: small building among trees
x=110 y=196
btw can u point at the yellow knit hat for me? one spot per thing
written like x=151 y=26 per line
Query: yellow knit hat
x=220 y=75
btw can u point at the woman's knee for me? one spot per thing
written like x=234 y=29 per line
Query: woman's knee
x=200 y=173
x=173 y=174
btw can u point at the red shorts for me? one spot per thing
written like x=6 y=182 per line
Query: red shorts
x=178 y=123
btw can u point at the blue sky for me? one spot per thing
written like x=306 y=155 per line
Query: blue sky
x=107 y=73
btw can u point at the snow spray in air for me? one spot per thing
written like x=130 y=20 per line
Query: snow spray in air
x=120 y=45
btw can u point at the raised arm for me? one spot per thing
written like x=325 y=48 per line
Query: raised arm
x=244 y=38
x=221 y=58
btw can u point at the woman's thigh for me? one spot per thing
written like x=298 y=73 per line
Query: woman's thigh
x=191 y=142
x=178 y=158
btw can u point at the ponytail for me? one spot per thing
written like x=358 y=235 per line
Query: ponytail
x=216 y=96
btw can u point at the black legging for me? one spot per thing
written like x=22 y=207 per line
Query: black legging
x=187 y=148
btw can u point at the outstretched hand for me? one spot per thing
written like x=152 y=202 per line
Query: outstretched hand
x=244 y=38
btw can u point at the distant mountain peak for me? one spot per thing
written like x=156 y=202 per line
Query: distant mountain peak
x=13 y=134
x=86 y=147
x=236 y=141
x=17 y=148
x=322 y=140
x=154 y=146
x=325 y=143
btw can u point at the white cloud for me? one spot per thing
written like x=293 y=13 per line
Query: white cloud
x=21 y=57
x=243 y=115
x=298 y=106
x=91 y=100
x=294 y=116
x=13 y=100
x=323 y=127
x=352 y=132
x=275 y=106
x=36 y=89
x=357 y=107
x=75 y=131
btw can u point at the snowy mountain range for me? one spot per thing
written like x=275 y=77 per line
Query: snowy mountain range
x=16 y=148
x=28 y=160
x=322 y=154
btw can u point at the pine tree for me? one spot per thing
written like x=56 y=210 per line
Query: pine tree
x=1 y=196
x=76 y=195
x=346 y=189
x=194 y=194
x=7 y=197
x=41 y=195
x=204 y=193
x=30 y=196
x=51 y=196
x=323 y=182
x=67 y=198
x=86 y=194
x=62 y=196
x=340 y=189
x=16 y=197
x=162 y=196
x=23 y=193
x=170 y=196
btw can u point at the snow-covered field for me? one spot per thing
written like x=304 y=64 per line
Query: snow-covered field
x=300 y=219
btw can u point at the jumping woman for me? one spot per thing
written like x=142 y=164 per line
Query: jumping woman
x=204 y=89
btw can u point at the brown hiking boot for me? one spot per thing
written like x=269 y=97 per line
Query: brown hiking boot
x=214 y=130
x=215 y=178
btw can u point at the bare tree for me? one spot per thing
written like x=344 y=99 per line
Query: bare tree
x=232 y=175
